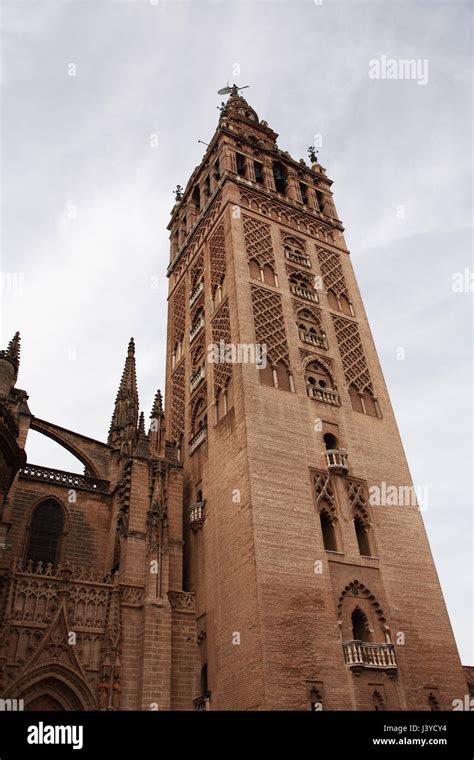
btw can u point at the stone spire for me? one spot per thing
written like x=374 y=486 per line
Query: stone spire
x=9 y=365
x=123 y=428
x=156 y=433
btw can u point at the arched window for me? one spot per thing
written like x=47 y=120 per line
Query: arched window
x=265 y=374
x=328 y=531
x=345 y=305
x=221 y=404
x=362 y=533
x=330 y=441
x=196 y=196
x=355 y=399
x=332 y=300
x=360 y=626
x=316 y=379
x=369 y=403
x=254 y=269
x=45 y=532
x=302 y=279
x=269 y=276
x=283 y=376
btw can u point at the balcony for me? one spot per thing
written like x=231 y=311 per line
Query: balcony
x=203 y=703
x=326 y=395
x=305 y=293
x=298 y=258
x=337 y=461
x=196 y=292
x=361 y=654
x=312 y=339
x=196 y=328
x=196 y=378
x=196 y=515
x=197 y=439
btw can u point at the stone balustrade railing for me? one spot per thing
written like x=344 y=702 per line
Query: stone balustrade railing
x=195 y=294
x=308 y=295
x=197 y=439
x=326 y=395
x=337 y=461
x=62 y=478
x=362 y=654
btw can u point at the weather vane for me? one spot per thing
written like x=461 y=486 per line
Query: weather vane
x=232 y=89
x=313 y=154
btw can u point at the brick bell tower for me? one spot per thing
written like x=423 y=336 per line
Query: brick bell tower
x=309 y=593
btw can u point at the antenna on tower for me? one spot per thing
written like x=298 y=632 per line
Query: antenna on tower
x=232 y=89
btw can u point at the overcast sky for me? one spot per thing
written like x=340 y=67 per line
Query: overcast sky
x=86 y=199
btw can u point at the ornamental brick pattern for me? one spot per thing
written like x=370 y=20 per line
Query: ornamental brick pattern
x=217 y=257
x=332 y=273
x=354 y=363
x=220 y=329
x=269 y=324
x=258 y=241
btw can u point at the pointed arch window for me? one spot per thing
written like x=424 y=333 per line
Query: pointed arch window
x=362 y=535
x=328 y=531
x=45 y=533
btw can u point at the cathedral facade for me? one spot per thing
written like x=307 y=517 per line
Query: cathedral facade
x=251 y=546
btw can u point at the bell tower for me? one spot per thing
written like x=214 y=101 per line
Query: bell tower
x=303 y=541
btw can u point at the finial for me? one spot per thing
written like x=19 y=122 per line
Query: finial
x=312 y=153
x=178 y=193
x=141 y=424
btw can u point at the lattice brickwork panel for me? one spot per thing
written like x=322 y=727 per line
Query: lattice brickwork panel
x=217 y=256
x=331 y=271
x=177 y=403
x=178 y=311
x=197 y=270
x=269 y=324
x=357 y=495
x=353 y=358
x=220 y=327
x=258 y=241
x=323 y=491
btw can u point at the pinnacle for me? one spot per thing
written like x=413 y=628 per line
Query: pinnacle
x=12 y=352
x=157 y=408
